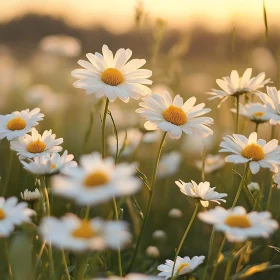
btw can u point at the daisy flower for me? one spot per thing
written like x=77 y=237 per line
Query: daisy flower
x=255 y=112
x=128 y=140
x=113 y=76
x=70 y=232
x=253 y=186
x=238 y=225
x=30 y=146
x=19 y=123
x=235 y=85
x=30 y=195
x=49 y=163
x=152 y=252
x=182 y=266
x=96 y=180
x=175 y=116
x=12 y=214
x=211 y=163
x=175 y=213
x=257 y=152
x=151 y=137
x=271 y=101
x=169 y=164
x=131 y=276
x=201 y=191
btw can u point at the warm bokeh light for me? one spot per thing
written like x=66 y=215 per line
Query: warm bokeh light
x=119 y=15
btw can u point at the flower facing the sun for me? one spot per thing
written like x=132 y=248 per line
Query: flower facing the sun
x=113 y=76
x=30 y=146
x=96 y=180
x=235 y=85
x=175 y=116
x=70 y=232
x=49 y=163
x=13 y=214
x=238 y=225
x=201 y=191
x=257 y=152
x=19 y=123
x=182 y=266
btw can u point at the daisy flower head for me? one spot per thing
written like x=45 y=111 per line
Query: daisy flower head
x=238 y=225
x=30 y=146
x=253 y=186
x=271 y=101
x=30 y=195
x=70 y=232
x=234 y=85
x=211 y=163
x=49 y=163
x=182 y=266
x=256 y=152
x=201 y=191
x=128 y=141
x=18 y=123
x=255 y=112
x=131 y=276
x=169 y=164
x=175 y=116
x=113 y=76
x=96 y=180
x=13 y=214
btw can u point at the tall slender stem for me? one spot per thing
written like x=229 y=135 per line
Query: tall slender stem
x=184 y=237
x=103 y=127
x=269 y=195
x=203 y=163
x=237 y=113
x=209 y=254
x=148 y=208
x=65 y=265
x=10 y=273
x=80 y=267
x=9 y=170
x=229 y=264
x=257 y=126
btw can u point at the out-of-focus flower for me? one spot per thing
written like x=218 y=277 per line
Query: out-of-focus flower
x=175 y=116
x=271 y=101
x=169 y=164
x=72 y=233
x=152 y=252
x=276 y=179
x=182 y=266
x=161 y=88
x=193 y=145
x=253 y=186
x=131 y=276
x=238 y=225
x=128 y=140
x=197 y=82
x=175 y=213
x=96 y=180
x=201 y=191
x=151 y=137
x=30 y=146
x=12 y=214
x=255 y=112
x=257 y=152
x=159 y=234
x=211 y=163
x=113 y=76
x=19 y=123
x=30 y=195
x=235 y=85
x=49 y=163
x=61 y=45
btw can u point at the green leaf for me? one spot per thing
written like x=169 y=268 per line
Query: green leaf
x=143 y=177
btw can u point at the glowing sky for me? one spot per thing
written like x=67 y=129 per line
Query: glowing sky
x=119 y=15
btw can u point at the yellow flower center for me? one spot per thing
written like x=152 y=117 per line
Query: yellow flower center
x=175 y=115
x=84 y=230
x=36 y=147
x=238 y=221
x=53 y=166
x=16 y=124
x=112 y=77
x=253 y=151
x=258 y=114
x=2 y=214
x=96 y=178
x=182 y=266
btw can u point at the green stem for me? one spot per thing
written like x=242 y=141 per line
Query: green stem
x=229 y=264
x=103 y=127
x=9 y=170
x=10 y=273
x=257 y=126
x=209 y=254
x=269 y=196
x=272 y=132
x=237 y=113
x=81 y=263
x=148 y=208
x=203 y=163
x=184 y=237
x=65 y=265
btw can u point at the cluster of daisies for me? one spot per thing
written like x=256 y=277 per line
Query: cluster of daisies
x=97 y=178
